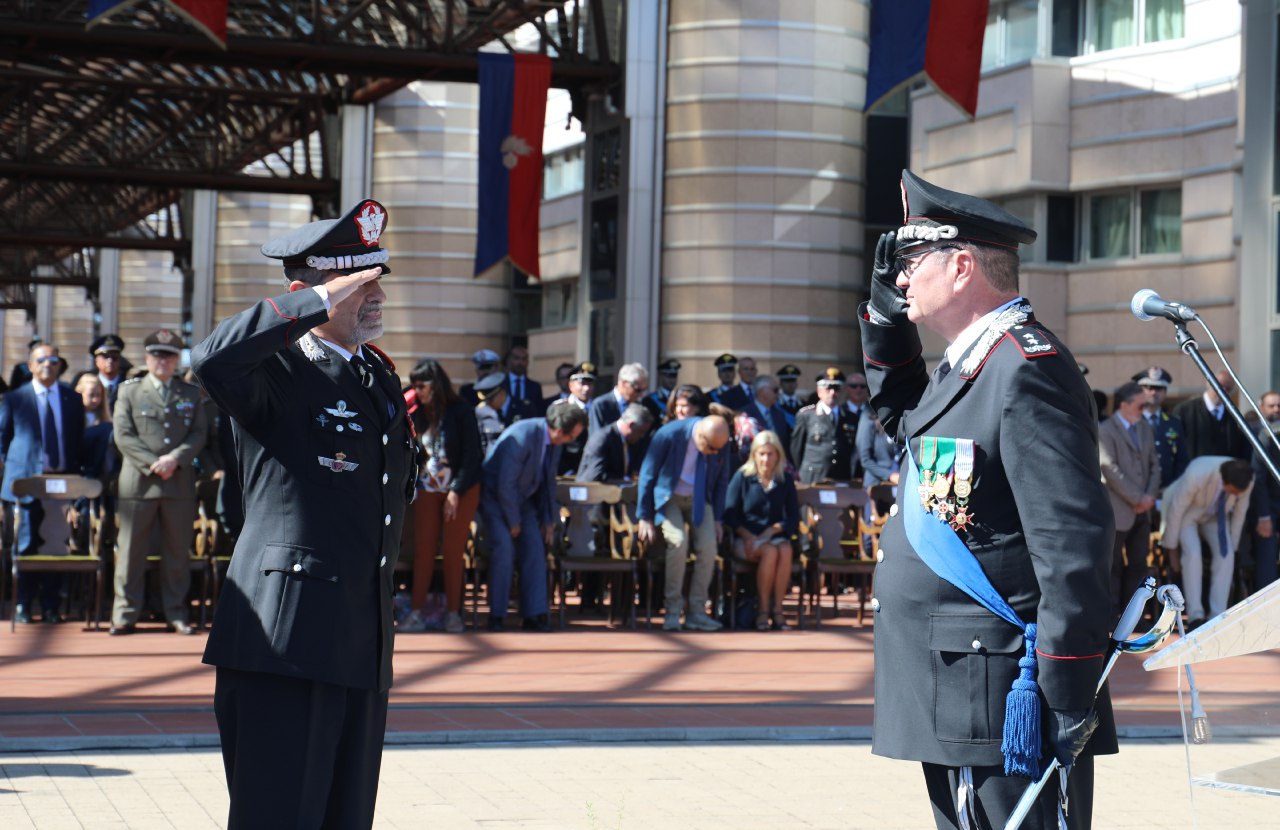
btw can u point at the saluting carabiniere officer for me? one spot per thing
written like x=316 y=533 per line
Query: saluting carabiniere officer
x=1002 y=476
x=159 y=429
x=302 y=636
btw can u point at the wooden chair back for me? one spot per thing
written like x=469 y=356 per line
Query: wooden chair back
x=58 y=487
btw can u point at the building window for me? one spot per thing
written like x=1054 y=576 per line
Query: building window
x=1012 y=33
x=562 y=173
x=560 y=304
x=1060 y=230
x=1153 y=216
x=1115 y=24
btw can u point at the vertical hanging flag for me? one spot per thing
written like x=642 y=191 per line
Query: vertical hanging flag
x=209 y=16
x=938 y=40
x=513 y=112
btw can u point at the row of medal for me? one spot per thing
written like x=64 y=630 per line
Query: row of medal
x=946 y=479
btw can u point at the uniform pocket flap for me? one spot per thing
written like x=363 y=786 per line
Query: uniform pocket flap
x=297 y=560
x=973 y=634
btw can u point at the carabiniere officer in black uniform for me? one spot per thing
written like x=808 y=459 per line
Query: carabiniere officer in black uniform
x=1004 y=439
x=302 y=636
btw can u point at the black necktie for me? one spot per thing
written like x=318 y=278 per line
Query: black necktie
x=939 y=375
x=50 y=437
x=370 y=384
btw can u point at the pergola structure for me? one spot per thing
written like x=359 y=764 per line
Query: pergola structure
x=103 y=129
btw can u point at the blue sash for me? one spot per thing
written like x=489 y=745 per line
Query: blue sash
x=946 y=554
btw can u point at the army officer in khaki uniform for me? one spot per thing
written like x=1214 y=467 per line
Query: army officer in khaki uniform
x=159 y=428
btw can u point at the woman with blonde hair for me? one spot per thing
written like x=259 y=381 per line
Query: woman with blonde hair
x=762 y=510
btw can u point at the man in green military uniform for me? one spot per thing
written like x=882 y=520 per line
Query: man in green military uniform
x=823 y=439
x=159 y=428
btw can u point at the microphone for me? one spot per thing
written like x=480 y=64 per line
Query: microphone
x=1147 y=305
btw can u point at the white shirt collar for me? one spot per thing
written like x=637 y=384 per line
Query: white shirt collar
x=346 y=355
x=1213 y=409
x=823 y=409
x=973 y=331
x=41 y=389
x=1127 y=423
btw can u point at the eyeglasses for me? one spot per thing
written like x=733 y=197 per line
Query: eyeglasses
x=53 y=358
x=856 y=385
x=908 y=263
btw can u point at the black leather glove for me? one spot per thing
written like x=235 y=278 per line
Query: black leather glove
x=1071 y=730
x=888 y=301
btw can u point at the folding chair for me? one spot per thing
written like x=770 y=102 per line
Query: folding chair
x=830 y=552
x=61 y=489
x=580 y=499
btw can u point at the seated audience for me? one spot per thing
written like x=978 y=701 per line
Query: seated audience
x=881 y=458
x=762 y=511
x=684 y=477
x=762 y=413
x=448 y=489
x=613 y=452
x=518 y=508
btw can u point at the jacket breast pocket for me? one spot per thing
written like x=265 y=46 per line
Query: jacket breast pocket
x=975 y=661
x=296 y=601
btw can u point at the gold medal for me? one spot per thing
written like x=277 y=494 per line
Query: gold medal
x=941 y=487
x=964 y=488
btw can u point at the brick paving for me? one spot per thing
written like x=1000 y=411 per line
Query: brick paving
x=766 y=730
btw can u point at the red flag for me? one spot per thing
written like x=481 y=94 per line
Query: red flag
x=209 y=16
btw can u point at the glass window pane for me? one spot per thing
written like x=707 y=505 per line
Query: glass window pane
x=1113 y=24
x=1161 y=217
x=991 y=38
x=1023 y=30
x=1164 y=20
x=1109 y=218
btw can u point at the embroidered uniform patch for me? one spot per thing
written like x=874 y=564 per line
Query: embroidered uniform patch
x=341 y=411
x=1031 y=342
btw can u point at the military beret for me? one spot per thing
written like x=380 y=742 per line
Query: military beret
x=485 y=357
x=489 y=384
x=105 y=344
x=1154 y=376
x=932 y=214
x=344 y=245
x=670 y=366
x=830 y=379
x=789 y=372
x=726 y=361
x=163 y=341
x=585 y=370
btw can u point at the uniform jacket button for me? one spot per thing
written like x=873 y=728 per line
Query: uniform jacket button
x=338 y=428
x=875 y=604
x=879 y=554
x=387 y=520
x=384 y=440
x=383 y=564
x=297 y=566
x=893 y=510
x=384 y=478
x=167 y=441
x=977 y=644
x=166 y=424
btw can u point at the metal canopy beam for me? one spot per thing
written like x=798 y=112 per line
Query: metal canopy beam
x=169 y=178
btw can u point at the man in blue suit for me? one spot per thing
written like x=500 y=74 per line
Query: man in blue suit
x=518 y=508
x=41 y=429
x=684 y=477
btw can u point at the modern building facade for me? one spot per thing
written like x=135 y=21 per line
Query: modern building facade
x=726 y=196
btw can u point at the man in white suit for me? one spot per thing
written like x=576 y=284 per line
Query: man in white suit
x=1207 y=501
x=1131 y=471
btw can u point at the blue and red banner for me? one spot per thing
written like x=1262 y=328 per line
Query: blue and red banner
x=938 y=40
x=209 y=16
x=513 y=113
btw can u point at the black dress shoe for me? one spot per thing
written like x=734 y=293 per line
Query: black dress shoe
x=496 y=624
x=121 y=630
x=538 y=623
x=22 y=616
x=181 y=628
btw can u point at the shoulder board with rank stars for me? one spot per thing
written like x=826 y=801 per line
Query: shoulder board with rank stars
x=813 y=407
x=133 y=380
x=1031 y=341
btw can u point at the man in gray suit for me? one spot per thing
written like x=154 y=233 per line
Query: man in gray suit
x=160 y=426
x=1131 y=471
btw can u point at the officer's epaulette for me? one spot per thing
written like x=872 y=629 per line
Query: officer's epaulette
x=1031 y=341
x=390 y=364
x=807 y=407
x=133 y=380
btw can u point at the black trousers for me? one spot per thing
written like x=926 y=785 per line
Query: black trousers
x=997 y=795
x=299 y=753
x=1129 y=562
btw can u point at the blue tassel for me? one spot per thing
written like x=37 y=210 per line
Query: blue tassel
x=1021 y=744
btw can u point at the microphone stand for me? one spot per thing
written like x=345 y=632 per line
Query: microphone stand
x=1192 y=349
